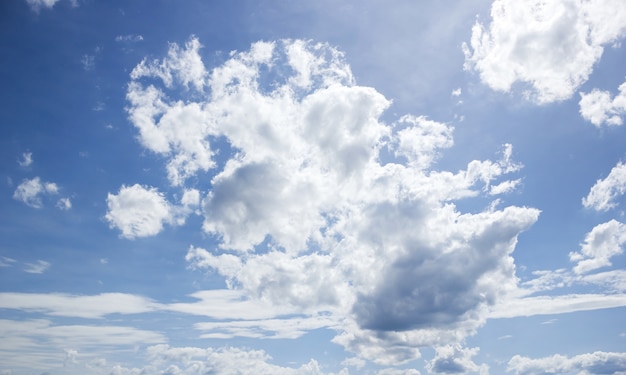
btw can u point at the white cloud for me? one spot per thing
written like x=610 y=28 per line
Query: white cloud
x=68 y=305
x=88 y=62
x=7 y=262
x=589 y=363
x=129 y=38
x=39 y=267
x=602 y=195
x=139 y=211
x=603 y=242
x=551 y=305
x=598 y=107
x=552 y=46
x=64 y=204
x=36 y=5
x=31 y=191
x=310 y=221
x=27 y=159
x=454 y=359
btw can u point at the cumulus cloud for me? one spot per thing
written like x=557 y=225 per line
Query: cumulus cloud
x=31 y=191
x=589 y=363
x=454 y=359
x=599 y=108
x=602 y=195
x=603 y=242
x=64 y=204
x=551 y=46
x=140 y=211
x=308 y=217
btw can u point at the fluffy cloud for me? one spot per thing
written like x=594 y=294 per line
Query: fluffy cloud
x=590 y=363
x=603 y=242
x=454 y=359
x=552 y=46
x=31 y=191
x=140 y=211
x=308 y=217
x=598 y=107
x=602 y=195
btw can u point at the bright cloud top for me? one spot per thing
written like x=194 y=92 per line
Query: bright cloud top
x=552 y=46
x=603 y=194
x=599 y=108
x=603 y=242
x=306 y=214
x=591 y=363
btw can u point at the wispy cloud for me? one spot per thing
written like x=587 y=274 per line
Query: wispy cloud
x=38 y=267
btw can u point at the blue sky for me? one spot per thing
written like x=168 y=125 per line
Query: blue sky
x=256 y=187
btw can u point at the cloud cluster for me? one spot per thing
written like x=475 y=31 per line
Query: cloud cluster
x=31 y=192
x=551 y=46
x=599 y=108
x=307 y=214
x=590 y=363
x=454 y=359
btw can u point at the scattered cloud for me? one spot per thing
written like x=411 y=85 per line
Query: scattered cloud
x=129 y=38
x=88 y=62
x=454 y=359
x=602 y=195
x=599 y=108
x=139 y=211
x=603 y=242
x=31 y=191
x=7 y=262
x=38 y=267
x=37 y=5
x=456 y=92
x=590 y=363
x=27 y=159
x=64 y=204
x=551 y=46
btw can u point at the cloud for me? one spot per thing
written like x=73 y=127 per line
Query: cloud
x=39 y=267
x=602 y=195
x=454 y=359
x=27 y=159
x=598 y=107
x=551 y=46
x=139 y=211
x=64 y=204
x=36 y=5
x=68 y=305
x=7 y=262
x=552 y=305
x=30 y=191
x=603 y=242
x=589 y=363
x=307 y=216
x=129 y=38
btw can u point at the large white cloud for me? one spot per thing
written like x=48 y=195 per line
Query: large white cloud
x=589 y=363
x=599 y=108
x=307 y=215
x=603 y=194
x=552 y=46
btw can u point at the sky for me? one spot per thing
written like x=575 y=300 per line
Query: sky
x=312 y=187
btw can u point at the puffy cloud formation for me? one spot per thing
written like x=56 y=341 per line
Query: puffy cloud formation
x=590 y=363
x=599 y=108
x=603 y=242
x=552 y=46
x=454 y=359
x=31 y=191
x=308 y=216
x=138 y=211
x=602 y=195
